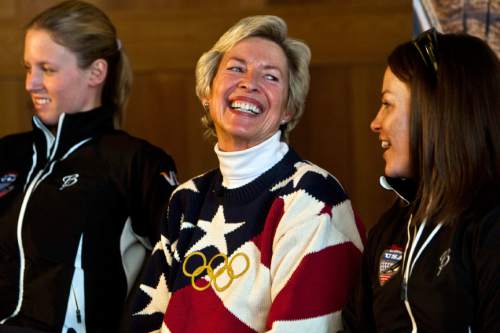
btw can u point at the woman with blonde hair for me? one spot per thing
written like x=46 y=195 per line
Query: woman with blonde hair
x=267 y=242
x=79 y=199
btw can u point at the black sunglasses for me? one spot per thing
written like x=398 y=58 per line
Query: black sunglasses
x=426 y=44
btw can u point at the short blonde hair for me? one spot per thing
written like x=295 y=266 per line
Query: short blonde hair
x=274 y=29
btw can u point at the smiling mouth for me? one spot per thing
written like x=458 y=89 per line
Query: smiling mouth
x=385 y=144
x=246 y=107
x=39 y=101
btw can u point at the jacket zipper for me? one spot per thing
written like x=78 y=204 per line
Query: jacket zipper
x=78 y=313
x=410 y=261
x=31 y=188
x=20 y=220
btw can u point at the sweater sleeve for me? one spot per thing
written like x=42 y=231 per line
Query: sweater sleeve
x=316 y=256
x=150 y=301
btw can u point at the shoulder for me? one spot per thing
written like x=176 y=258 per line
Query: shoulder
x=483 y=232
x=310 y=197
x=389 y=233
x=120 y=144
x=481 y=222
x=393 y=220
x=15 y=144
x=25 y=137
x=197 y=185
x=476 y=244
x=308 y=178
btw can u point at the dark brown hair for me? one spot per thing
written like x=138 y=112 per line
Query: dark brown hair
x=87 y=32
x=454 y=126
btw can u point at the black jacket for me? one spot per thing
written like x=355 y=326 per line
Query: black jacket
x=77 y=211
x=454 y=285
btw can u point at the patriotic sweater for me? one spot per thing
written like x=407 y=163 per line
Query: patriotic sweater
x=278 y=254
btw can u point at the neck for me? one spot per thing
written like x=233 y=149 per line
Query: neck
x=241 y=167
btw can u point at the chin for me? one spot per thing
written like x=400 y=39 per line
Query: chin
x=49 y=120
x=396 y=173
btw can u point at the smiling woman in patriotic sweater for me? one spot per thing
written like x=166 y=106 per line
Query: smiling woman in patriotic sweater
x=267 y=242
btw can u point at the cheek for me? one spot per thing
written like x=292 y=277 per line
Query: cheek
x=220 y=85
x=59 y=86
x=401 y=159
x=277 y=98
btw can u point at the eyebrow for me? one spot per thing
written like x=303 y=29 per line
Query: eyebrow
x=265 y=67
x=39 y=63
x=386 y=91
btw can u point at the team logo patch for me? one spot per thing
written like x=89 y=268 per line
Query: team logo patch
x=390 y=263
x=443 y=261
x=68 y=181
x=6 y=183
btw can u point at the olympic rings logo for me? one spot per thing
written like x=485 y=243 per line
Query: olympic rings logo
x=227 y=267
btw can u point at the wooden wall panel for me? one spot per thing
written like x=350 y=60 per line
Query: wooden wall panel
x=7 y=8
x=323 y=134
x=15 y=114
x=369 y=198
x=163 y=109
x=164 y=38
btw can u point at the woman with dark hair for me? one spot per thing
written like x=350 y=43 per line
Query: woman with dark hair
x=79 y=199
x=432 y=262
x=267 y=242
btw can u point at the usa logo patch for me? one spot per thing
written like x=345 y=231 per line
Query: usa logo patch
x=390 y=263
x=6 y=182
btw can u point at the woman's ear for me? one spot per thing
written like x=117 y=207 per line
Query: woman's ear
x=98 y=72
x=287 y=116
x=206 y=104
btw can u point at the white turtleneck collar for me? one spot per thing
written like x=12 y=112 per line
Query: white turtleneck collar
x=239 y=168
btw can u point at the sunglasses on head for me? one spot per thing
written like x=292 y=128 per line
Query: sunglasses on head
x=426 y=44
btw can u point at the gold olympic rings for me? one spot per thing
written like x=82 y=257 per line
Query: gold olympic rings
x=226 y=267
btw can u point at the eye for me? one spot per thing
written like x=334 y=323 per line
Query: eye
x=237 y=69
x=386 y=104
x=27 y=69
x=47 y=70
x=271 y=77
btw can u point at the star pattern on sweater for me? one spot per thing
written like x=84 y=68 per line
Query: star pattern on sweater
x=189 y=185
x=158 y=295
x=215 y=232
x=163 y=246
x=184 y=226
x=301 y=169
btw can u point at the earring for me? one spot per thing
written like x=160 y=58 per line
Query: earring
x=206 y=106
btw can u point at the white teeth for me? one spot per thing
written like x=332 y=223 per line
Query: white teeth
x=246 y=107
x=42 y=101
x=385 y=144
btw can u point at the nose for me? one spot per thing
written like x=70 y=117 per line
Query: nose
x=33 y=81
x=249 y=81
x=375 y=125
